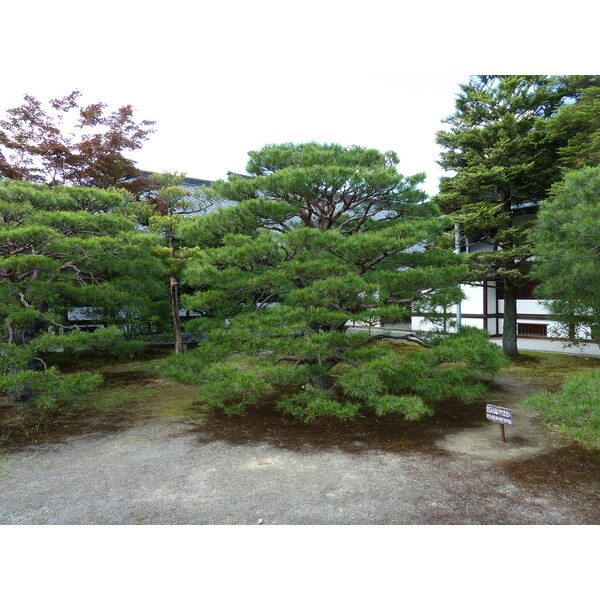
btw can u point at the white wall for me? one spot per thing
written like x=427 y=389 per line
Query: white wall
x=473 y=323
x=473 y=302
x=421 y=324
x=491 y=300
x=527 y=307
x=481 y=247
x=530 y=307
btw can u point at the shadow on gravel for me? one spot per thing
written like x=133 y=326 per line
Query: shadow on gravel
x=21 y=429
x=22 y=426
x=566 y=465
x=571 y=471
x=391 y=434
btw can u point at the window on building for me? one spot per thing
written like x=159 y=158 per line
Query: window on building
x=532 y=329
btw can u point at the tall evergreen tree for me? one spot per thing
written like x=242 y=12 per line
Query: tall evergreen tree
x=503 y=160
x=576 y=126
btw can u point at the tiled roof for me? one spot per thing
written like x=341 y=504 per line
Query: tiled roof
x=193 y=182
x=240 y=175
x=188 y=182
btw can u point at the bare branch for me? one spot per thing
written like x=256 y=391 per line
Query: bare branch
x=23 y=301
x=408 y=337
x=372 y=263
x=43 y=362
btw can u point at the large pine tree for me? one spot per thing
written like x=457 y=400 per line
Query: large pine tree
x=322 y=237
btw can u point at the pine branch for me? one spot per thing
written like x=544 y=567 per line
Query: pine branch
x=408 y=337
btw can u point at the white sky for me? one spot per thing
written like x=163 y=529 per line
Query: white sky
x=222 y=78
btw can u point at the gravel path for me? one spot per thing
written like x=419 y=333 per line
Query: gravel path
x=164 y=472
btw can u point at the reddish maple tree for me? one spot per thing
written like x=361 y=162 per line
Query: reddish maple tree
x=69 y=143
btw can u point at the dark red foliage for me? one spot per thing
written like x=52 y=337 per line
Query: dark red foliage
x=141 y=187
x=71 y=144
x=160 y=206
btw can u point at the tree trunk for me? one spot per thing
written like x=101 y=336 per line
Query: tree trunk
x=177 y=339
x=20 y=395
x=509 y=333
x=322 y=382
x=571 y=325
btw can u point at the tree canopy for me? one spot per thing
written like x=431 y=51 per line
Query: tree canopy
x=328 y=186
x=322 y=239
x=63 y=248
x=566 y=245
x=577 y=125
x=70 y=144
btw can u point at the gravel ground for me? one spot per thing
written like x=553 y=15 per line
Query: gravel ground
x=166 y=472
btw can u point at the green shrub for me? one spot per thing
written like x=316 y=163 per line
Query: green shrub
x=412 y=407
x=313 y=403
x=26 y=377
x=48 y=388
x=342 y=375
x=232 y=390
x=472 y=348
x=576 y=408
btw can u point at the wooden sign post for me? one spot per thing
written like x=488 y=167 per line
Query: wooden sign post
x=499 y=414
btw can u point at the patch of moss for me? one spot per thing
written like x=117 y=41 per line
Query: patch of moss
x=111 y=398
x=178 y=402
x=131 y=390
x=550 y=369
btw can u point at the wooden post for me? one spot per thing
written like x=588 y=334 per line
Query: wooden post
x=500 y=415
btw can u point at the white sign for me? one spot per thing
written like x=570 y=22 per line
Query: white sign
x=498 y=414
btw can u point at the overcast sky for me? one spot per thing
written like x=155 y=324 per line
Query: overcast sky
x=223 y=78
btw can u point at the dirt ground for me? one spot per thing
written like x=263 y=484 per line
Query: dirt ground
x=143 y=464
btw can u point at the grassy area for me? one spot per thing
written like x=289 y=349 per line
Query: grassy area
x=131 y=390
x=550 y=370
x=575 y=408
x=571 y=392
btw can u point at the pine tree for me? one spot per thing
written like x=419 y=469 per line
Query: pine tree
x=566 y=244
x=172 y=204
x=576 y=126
x=63 y=248
x=503 y=160
x=323 y=238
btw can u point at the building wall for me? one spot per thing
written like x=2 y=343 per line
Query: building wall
x=481 y=308
x=527 y=307
x=473 y=303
